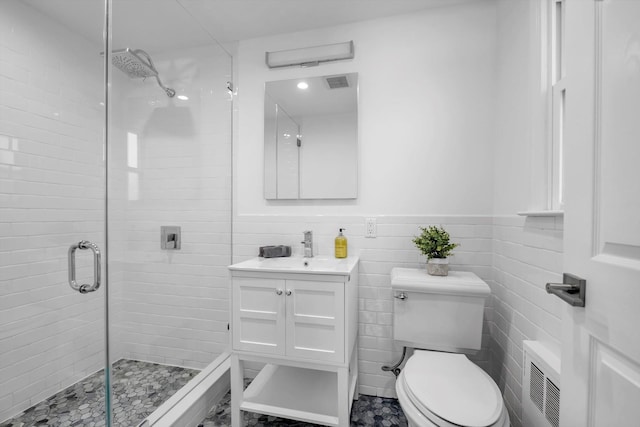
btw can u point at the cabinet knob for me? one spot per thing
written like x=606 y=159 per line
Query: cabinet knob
x=288 y=292
x=279 y=291
x=401 y=296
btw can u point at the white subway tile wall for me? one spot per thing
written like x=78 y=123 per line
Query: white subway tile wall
x=172 y=307
x=392 y=248
x=166 y=307
x=174 y=304
x=527 y=255
x=516 y=256
x=51 y=195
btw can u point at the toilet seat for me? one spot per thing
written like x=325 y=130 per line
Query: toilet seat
x=448 y=389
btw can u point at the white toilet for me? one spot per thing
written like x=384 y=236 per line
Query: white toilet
x=442 y=317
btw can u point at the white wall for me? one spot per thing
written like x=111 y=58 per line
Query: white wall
x=527 y=251
x=51 y=195
x=173 y=305
x=426 y=82
x=445 y=129
x=520 y=146
x=458 y=83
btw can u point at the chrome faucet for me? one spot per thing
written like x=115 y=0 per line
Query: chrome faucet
x=308 y=244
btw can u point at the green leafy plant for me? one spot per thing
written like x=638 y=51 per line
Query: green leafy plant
x=434 y=242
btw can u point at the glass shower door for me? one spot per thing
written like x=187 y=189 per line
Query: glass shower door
x=80 y=215
x=169 y=214
x=52 y=214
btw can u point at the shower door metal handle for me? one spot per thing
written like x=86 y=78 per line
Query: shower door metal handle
x=83 y=289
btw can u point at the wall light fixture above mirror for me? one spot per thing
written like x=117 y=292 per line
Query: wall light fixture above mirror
x=310 y=138
x=310 y=56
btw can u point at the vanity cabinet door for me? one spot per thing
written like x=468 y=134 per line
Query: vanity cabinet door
x=258 y=315
x=315 y=320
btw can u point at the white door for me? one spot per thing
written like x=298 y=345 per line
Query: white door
x=601 y=343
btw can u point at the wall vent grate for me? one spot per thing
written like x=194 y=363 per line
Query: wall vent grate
x=536 y=387
x=552 y=404
x=337 y=82
x=540 y=394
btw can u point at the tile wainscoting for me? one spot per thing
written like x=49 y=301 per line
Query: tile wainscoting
x=528 y=253
x=391 y=248
x=515 y=255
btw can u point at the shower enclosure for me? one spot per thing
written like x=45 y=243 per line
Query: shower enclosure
x=94 y=160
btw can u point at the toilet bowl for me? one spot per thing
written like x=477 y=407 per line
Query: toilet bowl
x=447 y=389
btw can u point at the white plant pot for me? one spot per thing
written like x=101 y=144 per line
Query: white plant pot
x=438 y=266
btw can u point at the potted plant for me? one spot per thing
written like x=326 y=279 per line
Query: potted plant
x=435 y=244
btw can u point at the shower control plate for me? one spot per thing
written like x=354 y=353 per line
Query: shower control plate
x=170 y=237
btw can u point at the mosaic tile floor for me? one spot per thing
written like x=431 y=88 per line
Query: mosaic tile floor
x=366 y=411
x=138 y=389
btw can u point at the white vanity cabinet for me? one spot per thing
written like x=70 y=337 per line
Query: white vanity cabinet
x=298 y=318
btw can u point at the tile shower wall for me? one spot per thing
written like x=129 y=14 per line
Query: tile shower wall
x=166 y=308
x=173 y=161
x=51 y=195
x=527 y=254
x=391 y=248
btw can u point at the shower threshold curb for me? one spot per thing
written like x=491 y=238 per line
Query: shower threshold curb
x=190 y=405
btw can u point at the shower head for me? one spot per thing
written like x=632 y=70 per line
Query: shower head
x=138 y=64
x=132 y=64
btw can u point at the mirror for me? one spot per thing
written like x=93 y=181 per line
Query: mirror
x=310 y=138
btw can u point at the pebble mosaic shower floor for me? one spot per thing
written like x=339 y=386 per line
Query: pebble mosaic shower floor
x=140 y=387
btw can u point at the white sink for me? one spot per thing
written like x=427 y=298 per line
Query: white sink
x=315 y=265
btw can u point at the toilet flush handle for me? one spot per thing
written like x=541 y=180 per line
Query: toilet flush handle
x=401 y=296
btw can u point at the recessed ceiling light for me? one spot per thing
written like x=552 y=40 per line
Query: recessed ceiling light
x=183 y=97
x=303 y=85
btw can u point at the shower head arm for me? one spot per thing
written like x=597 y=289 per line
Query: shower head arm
x=141 y=52
x=170 y=92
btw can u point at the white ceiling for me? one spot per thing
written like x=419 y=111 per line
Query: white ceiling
x=156 y=25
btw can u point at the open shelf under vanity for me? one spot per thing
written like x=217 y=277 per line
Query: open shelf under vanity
x=295 y=393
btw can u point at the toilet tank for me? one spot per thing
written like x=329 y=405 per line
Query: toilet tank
x=442 y=313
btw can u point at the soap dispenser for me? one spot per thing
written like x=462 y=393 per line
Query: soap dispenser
x=341 y=245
